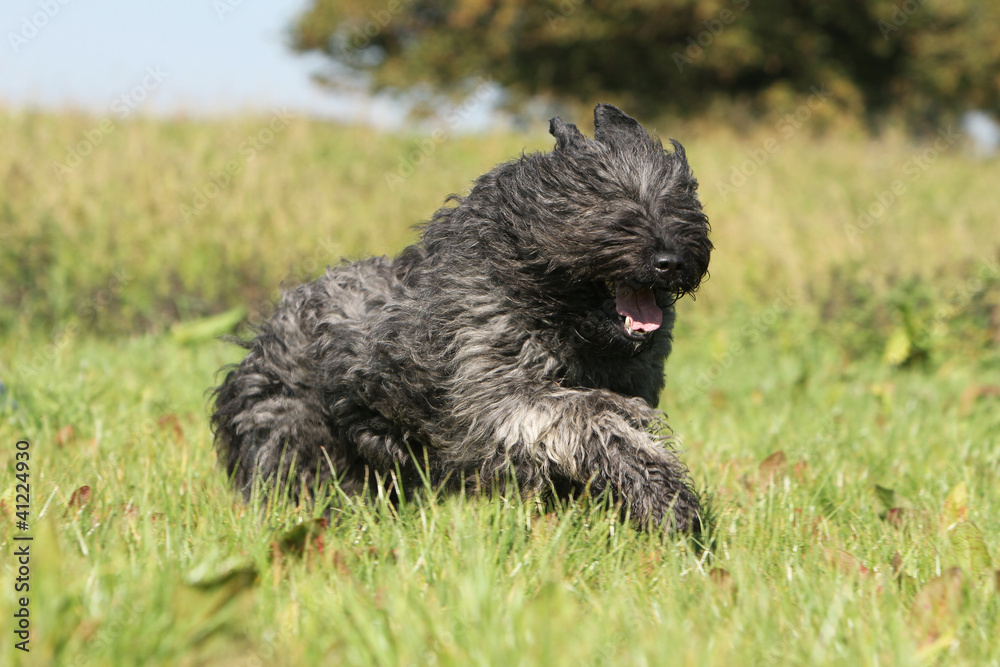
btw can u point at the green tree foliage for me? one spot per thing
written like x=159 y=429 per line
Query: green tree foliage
x=679 y=55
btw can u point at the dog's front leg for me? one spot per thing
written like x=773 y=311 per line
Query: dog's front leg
x=596 y=438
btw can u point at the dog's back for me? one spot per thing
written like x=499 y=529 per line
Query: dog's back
x=280 y=394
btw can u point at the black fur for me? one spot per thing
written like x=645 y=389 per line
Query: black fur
x=494 y=346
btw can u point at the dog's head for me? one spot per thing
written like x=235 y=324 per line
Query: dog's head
x=607 y=231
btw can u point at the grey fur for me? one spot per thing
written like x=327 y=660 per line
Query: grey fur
x=492 y=349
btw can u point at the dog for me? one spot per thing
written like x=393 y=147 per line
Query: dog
x=521 y=341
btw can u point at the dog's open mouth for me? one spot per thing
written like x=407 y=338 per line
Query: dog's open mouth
x=638 y=314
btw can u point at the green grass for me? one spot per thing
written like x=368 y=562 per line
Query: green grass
x=784 y=351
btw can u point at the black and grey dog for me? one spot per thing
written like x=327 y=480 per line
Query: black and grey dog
x=522 y=339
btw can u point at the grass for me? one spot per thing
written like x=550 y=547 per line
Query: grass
x=836 y=390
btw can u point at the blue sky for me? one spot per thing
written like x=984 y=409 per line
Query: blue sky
x=211 y=57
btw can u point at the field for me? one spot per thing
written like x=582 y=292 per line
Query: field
x=835 y=388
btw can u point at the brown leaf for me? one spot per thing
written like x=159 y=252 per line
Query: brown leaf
x=321 y=525
x=820 y=529
x=297 y=540
x=725 y=582
x=87 y=629
x=342 y=561
x=895 y=517
x=897 y=564
x=844 y=562
x=905 y=518
x=973 y=393
x=936 y=608
x=718 y=398
x=80 y=497
x=65 y=435
x=883 y=389
x=650 y=562
x=172 y=422
x=956 y=505
x=320 y=544
x=771 y=467
x=346 y=561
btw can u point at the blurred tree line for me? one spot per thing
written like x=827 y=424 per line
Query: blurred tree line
x=922 y=58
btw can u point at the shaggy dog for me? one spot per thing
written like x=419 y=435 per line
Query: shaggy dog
x=521 y=340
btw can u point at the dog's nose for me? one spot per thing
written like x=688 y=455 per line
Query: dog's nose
x=668 y=263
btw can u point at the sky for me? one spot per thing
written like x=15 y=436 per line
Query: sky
x=193 y=57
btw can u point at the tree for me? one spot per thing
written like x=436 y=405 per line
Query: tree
x=676 y=55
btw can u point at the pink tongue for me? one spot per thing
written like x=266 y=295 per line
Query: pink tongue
x=640 y=306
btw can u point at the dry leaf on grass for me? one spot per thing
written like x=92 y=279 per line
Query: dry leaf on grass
x=723 y=580
x=65 y=435
x=80 y=497
x=300 y=539
x=844 y=562
x=171 y=422
x=934 y=616
x=956 y=506
x=973 y=393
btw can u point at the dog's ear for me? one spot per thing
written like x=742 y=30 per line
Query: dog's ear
x=682 y=172
x=614 y=128
x=566 y=134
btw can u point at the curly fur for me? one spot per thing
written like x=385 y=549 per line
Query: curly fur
x=491 y=349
